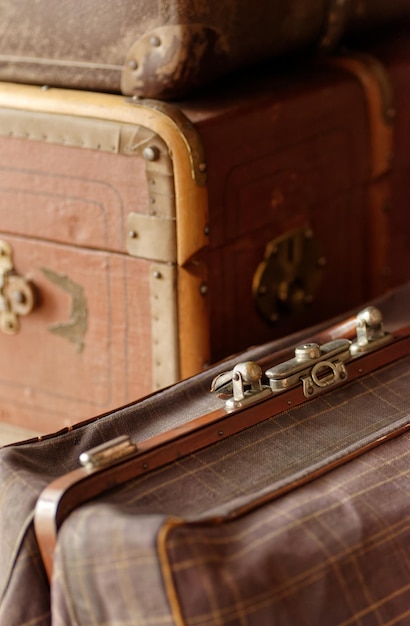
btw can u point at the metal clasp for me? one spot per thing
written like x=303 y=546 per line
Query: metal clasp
x=108 y=453
x=241 y=386
x=369 y=331
x=17 y=295
x=316 y=367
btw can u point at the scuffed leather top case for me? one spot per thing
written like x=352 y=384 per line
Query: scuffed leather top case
x=168 y=48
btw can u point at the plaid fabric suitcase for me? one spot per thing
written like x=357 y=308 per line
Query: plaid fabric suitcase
x=287 y=521
x=176 y=235
x=168 y=48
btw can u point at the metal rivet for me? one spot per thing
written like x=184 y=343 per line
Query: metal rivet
x=203 y=289
x=151 y=153
x=155 y=41
x=157 y=274
x=44 y=87
x=133 y=234
x=220 y=433
x=202 y=167
x=132 y=64
x=145 y=466
x=206 y=230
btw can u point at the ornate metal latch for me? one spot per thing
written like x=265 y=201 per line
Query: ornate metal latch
x=17 y=295
x=315 y=367
x=369 y=330
x=241 y=386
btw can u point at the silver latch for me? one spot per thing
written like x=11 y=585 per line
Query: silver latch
x=369 y=331
x=108 y=452
x=317 y=367
x=240 y=386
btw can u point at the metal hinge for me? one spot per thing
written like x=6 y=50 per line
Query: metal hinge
x=241 y=386
x=370 y=334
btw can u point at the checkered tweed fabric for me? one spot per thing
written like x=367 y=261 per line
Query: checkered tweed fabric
x=200 y=488
x=207 y=540
x=26 y=469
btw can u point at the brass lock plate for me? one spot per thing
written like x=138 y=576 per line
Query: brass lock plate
x=17 y=294
x=288 y=277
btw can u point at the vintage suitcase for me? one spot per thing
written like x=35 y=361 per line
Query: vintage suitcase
x=168 y=48
x=288 y=509
x=157 y=238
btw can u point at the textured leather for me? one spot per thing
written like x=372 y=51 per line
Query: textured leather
x=167 y=48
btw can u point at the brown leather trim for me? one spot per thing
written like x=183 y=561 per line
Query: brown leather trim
x=193 y=319
x=379 y=99
x=167 y=571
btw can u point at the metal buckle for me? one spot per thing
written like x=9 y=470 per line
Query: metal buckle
x=317 y=367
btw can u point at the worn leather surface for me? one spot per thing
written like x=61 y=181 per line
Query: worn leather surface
x=97 y=570
x=167 y=48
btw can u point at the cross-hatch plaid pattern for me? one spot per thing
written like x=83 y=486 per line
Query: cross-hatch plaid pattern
x=132 y=558
x=204 y=541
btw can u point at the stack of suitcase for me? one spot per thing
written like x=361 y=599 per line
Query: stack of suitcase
x=180 y=181
x=142 y=239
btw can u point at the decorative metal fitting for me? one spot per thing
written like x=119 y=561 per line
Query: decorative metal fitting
x=107 y=453
x=151 y=153
x=17 y=295
x=369 y=331
x=317 y=367
x=240 y=386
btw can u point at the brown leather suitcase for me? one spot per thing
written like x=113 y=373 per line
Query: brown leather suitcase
x=168 y=48
x=158 y=238
x=225 y=509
